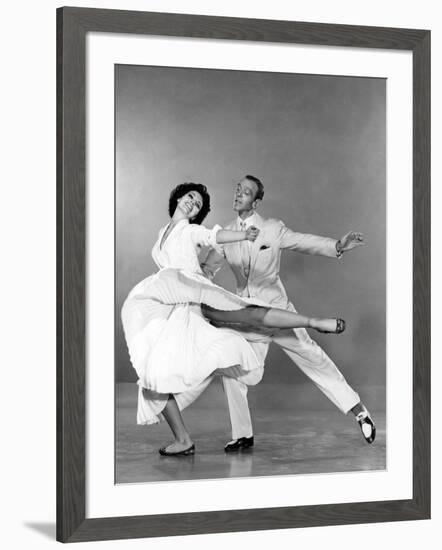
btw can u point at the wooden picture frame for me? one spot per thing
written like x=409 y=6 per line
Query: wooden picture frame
x=73 y=24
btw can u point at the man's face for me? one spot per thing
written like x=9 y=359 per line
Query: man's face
x=244 y=196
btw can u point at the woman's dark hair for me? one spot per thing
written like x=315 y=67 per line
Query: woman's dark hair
x=183 y=189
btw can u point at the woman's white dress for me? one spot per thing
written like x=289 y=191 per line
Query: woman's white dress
x=172 y=347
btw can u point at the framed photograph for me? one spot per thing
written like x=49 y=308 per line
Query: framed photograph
x=225 y=185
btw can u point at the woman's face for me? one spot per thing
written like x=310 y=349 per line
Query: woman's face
x=190 y=204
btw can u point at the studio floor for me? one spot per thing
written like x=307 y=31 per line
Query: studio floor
x=290 y=437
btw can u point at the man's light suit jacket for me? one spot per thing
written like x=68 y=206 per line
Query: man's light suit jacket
x=263 y=280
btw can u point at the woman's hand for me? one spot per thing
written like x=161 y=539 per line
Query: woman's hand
x=251 y=233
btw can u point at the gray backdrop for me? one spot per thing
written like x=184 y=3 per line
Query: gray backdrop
x=317 y=143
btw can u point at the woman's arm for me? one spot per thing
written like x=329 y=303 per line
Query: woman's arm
x=228 y=236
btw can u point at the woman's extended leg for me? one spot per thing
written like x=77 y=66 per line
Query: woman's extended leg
x=257 y=316
x=183 y=444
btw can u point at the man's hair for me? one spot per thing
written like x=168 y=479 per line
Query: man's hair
x=260 y=192
x=183 y=189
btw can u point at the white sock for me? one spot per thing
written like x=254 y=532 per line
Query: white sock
x=363 y=414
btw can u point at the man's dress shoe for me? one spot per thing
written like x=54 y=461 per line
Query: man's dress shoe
x=239 y=444
x=367 y=426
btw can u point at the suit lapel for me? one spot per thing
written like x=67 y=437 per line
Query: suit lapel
x=259 y=223
x=234 y=249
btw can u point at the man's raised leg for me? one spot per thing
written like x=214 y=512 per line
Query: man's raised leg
x=321 y=370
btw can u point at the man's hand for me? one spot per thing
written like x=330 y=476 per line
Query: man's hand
x=251 y=233
x=350 y=240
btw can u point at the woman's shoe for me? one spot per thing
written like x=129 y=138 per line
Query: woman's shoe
x=186 y=452
x=339 y=327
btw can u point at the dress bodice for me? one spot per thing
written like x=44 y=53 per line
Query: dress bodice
x=181 y=247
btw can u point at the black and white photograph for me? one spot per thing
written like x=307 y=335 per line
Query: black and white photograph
x=250 y=274
x=219 y=217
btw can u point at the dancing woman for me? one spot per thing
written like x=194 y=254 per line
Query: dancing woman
x=168 y=319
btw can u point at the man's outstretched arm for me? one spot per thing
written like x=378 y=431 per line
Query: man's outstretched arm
x=315 y=244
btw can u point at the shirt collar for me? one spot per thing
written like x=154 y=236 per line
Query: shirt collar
x=251 y=220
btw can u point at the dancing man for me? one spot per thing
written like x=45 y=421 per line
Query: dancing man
x=256 y=269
